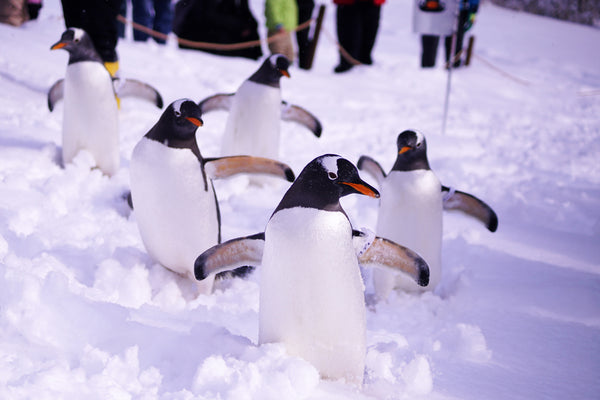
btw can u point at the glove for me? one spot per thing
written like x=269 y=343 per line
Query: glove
x=470 y=21
x=34 y=10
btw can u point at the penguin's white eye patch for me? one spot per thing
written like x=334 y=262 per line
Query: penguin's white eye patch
x=332 y=175
x=177 y=106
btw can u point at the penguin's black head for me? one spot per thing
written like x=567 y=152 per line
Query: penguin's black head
x=271 y=70
x=79 y=45
x=181 y=119
x=177 y=125
x=412 y=152
x=323 y=182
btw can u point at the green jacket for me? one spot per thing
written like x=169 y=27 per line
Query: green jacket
x=281 y=13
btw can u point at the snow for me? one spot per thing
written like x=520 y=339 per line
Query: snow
x=85 y=312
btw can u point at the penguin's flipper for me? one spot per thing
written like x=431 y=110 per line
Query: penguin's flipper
x=56 y=93
x=223 y=167
x=134 y=88
x=220 y=101
x=372 y=167
x=375 y=251
x=230 y=255
x=293 y=113
x=470 y=205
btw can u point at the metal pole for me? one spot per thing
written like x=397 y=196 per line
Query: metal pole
x=450 y=67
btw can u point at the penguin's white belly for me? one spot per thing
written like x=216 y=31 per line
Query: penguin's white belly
x=410 y=214
x=253 y=123
x=311 y=291
x=176 y=216
x=90 y=117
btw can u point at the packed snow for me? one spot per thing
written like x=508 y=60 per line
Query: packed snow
x=86 y=313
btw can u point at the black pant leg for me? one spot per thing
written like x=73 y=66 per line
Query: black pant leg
x=348 y=30
x=305 y=11
x=429 y=45
x=102 y=26
x=369 y=14
x=463 y=16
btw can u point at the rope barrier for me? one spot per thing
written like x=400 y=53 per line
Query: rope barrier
x=235 y=46
x=207 y=45
x=343 y=52
x=502 y=72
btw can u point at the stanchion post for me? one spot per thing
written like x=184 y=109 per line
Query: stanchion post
x=315 y=38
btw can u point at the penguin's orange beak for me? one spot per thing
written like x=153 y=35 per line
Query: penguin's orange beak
x=284 y=72
x=362 y=189
x=404 y=149
x=58 y=45
x=195 y=121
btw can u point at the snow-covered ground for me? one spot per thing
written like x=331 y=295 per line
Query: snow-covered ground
x=85 y=312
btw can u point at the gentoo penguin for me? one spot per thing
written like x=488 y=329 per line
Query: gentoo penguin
x=411 y=207
x=311 y=290
x=90 y=119
x=255 y=111
x=172 y=193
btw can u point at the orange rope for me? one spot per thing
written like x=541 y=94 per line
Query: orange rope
x=341 y=49
x=206 y=45
x=501 y=71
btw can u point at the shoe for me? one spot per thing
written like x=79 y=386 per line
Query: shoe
x=112 y=67
x=342 y=67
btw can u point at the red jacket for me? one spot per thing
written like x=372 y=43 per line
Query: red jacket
x=348 y=2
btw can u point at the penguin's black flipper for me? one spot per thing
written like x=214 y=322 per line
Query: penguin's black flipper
x=230 y=255
x=220 y=101
x=372 y=167
x=470 y=205
x=293 y=113
x=223 y=167
x=375 y=251
x=56 y=93
x=134 y=88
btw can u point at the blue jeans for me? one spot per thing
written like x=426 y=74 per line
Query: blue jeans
x=154 y=14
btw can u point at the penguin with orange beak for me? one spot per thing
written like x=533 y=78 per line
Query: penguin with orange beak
x=311 y=290
x=172 y=194
x=90 y=113
x=411 y=210
x=256 y=110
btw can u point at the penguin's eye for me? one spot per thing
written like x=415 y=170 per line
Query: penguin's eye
x=178 y=113
x=332 y=175
x=419 y=144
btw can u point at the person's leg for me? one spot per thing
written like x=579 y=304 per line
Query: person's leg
x=305 y=10
x=122 y=11
x=72 y=13
x=163 y=18
x=429 y=45
x=460 y=34
x=142 y=14
x=348 y=33
x=370 y=14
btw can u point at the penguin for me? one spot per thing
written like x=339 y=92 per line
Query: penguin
x=411 y=209
x=255 y=111
x=311 y=291
x=90 y=119
x=172 y=191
